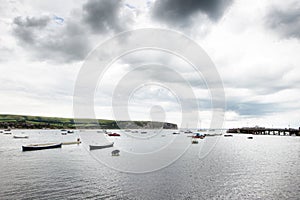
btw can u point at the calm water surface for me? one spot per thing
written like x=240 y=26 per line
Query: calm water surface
x=266 y=167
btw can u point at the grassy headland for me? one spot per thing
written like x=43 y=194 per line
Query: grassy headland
x=38 y=122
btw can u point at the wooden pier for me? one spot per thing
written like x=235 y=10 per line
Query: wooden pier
x=266 y=131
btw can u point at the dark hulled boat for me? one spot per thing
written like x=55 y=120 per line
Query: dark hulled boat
x=114 y=134
x=34 y=147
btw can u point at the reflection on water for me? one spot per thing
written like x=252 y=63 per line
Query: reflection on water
x=266 y=167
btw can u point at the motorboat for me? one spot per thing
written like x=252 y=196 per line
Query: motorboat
x=194 y=141
x=115 y=152
x=113 y=134
x=198 y=136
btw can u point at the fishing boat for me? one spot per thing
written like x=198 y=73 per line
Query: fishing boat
x=94 y=147
x=115 y=153
x=34 y=147
x=20 y=136
x=113 y=134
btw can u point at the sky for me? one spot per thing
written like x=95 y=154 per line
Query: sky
x=254 y=45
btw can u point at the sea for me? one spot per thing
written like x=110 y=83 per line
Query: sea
x=152 y=164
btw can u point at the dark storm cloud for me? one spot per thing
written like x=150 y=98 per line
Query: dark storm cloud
x=285 y=21
x=32 y=21
x=24 y=26
x=179 y=12
x=48 y=41
x=103 y=15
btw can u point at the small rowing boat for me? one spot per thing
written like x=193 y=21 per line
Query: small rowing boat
x=94 y=147
x=33 y=147
x=20 y=136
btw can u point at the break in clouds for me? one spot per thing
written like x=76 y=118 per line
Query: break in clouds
x=254 y=45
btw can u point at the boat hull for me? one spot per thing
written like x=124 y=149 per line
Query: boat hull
x=40 y=147
x=94 y=147
x=20 y=137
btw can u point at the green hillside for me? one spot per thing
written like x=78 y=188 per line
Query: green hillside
x=38 y=122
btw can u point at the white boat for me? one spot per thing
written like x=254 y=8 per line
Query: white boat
x=20 y=136
x=6 y=132
x=94 y=147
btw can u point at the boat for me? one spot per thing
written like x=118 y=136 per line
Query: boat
x=213 y=134
x=194 y=141
x=20 y=136
x=228 y=135
x=143 y=132
x=70 y=131
x=7 y=132
x=113 y=134
x=198 y=136
x=94 y=147
x=250 y=137
x=188 y=131
x=134 y=131
x=115 y=153
x=64 y=133
x=176 y=133
x=34 y=147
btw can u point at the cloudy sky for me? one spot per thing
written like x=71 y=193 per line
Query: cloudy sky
x=254 y=44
